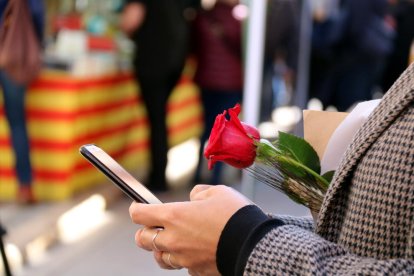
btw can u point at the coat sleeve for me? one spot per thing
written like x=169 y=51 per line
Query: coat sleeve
x=255 y=243
x=306 y=223
x=292 y=250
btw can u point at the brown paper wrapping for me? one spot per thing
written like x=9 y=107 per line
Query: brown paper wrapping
x=319 y=126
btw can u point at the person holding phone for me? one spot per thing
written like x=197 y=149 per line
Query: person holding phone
x=365 y=226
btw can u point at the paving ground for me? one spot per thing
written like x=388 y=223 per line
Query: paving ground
x=109 y=249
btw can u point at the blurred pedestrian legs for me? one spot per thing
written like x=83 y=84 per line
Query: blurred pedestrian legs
x=15 y=111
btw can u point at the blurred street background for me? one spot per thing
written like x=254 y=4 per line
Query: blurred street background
x=145 y=80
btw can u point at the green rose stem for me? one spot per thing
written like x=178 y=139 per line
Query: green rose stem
x=323 y=184
x=310 y=193
x=265 y=150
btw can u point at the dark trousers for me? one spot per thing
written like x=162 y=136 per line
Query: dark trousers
x=348 y=82
x=214 y=102
x=155 y=91
x=15 y=111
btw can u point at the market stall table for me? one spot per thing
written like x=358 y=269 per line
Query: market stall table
x=66 y=112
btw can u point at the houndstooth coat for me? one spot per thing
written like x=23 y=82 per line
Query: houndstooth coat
x=366 y=223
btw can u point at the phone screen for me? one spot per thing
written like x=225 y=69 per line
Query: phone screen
x=118 y=175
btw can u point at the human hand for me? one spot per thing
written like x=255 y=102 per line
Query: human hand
x=191 y=230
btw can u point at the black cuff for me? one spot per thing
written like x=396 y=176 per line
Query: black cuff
x=240 y=235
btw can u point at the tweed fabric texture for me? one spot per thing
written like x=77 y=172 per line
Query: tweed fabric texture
x=306 y=223
x=366 y=222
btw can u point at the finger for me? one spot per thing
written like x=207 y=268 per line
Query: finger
x=138 y=236
x=198 y=191
x=150 y=239
x=147 y=214
x=210 y=190
x=160 y=261
x=170 y=261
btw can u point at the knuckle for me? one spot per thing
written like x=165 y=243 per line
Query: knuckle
x=171 y=214
x=170 y=242
x=223 y=188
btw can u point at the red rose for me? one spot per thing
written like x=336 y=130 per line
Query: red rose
x=231 y=141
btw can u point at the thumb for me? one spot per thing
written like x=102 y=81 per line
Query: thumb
x=198 y=191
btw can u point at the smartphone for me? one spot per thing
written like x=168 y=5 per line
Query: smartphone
x=118 y=175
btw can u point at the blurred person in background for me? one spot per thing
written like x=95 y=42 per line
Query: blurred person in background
x=160 y=33
x=14 y=106
x=280 y=55
x=398 y=60
x=349 y=69
x=217 y=47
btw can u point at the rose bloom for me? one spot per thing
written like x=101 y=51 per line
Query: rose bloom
x=231 y=141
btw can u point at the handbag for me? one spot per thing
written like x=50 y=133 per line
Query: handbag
x=20 y=52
